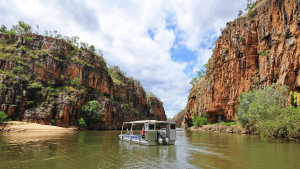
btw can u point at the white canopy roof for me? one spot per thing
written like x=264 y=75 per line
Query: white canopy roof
x=148 y=121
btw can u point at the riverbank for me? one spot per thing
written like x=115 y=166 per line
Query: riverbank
x=220 y=129
x=20 y=126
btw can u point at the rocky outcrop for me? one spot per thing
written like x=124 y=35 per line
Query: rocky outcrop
x=179 y=117
x=220 y=129
x=156 y=108
x=44 y=79
x=254 y=51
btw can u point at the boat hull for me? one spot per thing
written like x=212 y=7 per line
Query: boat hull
x=139 y=140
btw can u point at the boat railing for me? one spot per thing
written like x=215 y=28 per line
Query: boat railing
x=132 y=137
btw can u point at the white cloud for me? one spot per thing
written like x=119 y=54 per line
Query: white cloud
x=120 y=29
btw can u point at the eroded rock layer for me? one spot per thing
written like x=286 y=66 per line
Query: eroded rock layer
x=255 y=50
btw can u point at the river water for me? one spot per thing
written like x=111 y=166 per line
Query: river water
x=103 y=149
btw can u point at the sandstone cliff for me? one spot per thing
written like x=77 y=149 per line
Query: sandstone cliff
x=254 y=50
x=45 y=79
x=179 y=117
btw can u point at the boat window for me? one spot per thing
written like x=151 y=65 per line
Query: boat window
x=173 y=126
x=151 y=126
x=146 y=127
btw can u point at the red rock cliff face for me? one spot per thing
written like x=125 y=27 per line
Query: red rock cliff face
x=253 y=51
x=43 y=79
x=179 y=117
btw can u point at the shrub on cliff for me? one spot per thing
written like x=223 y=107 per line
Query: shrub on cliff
x=250 y=4
x=3 y=117
x=150 y=94
x=18 y=69
x=266 y=111
x=81 y=122
x=201 y=74
x=116 y=74
x=92 y=112
x=75 y=82
x=199 y=121
x=53 y=122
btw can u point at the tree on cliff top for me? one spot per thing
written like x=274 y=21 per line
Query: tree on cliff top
x=22 y=28
x=201 y=74
x=3 y=29
x=150 y=94
x=250 y=4
x=240 y=13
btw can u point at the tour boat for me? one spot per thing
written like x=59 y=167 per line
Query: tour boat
x=152 y=133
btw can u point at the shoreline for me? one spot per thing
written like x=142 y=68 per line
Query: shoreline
x=218 y=128
x=22 y=126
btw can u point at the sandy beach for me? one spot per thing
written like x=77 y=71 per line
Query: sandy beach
x=20 y=126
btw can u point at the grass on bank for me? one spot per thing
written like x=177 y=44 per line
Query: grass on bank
x=227 y=123
x=199 y=121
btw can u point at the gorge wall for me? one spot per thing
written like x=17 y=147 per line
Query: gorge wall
x=45 y=80
x=254 y=51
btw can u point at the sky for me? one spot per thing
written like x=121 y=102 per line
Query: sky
x=161 y=43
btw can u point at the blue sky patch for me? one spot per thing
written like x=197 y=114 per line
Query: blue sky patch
x=180 y=53
x=151 y=33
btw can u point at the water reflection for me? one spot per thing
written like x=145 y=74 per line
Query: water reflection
x=103 y=149
x=150 y=156
x=215 y=150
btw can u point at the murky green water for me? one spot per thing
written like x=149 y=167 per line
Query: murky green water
x=102 y=149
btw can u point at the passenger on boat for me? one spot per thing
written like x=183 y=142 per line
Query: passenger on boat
x=157 y=133
x=143 y=133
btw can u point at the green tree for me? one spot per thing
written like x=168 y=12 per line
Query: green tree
x=118 y=69
x=92 y=49
x=240 y=13
x=199 y=121
x=81 y=122
x=200 y=75
x=53 y=122
x=137 y=83
x=92 y=112
x=18 y=69
x=75 y=82
x=84 y=45
x=100 y=52
x=71 y=40
x=194 y=81
x=266 y=111
x=150 y=94
x=22 y=28
x=250 y=4
x=3 y=117
x=3 y=29
x=245 y=100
